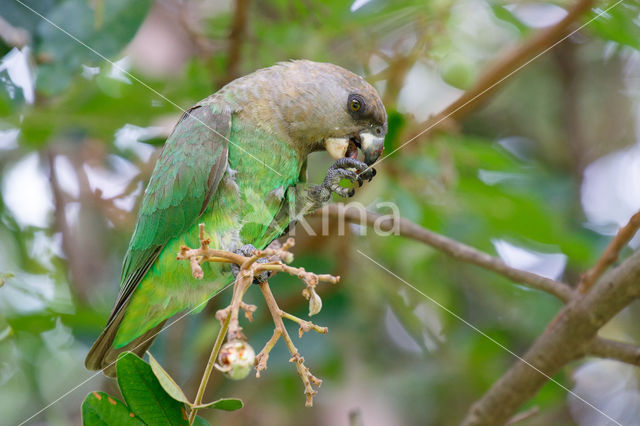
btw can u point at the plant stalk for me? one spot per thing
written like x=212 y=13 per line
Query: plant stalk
x=209 y=368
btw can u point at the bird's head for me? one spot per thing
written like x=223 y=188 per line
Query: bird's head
x=360 y=123
x=327 y=107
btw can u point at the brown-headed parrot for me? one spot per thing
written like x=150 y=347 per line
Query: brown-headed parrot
x=236 y=161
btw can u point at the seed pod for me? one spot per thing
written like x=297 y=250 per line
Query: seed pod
x=236 y=359
x=315 y=303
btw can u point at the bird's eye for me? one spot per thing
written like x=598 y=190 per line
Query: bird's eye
x=355 y=104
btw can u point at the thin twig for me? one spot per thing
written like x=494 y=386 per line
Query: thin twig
x=263 y=356
x=611 y=349
x=77 y=271
x=296 y=358
x=451 y=247
x=506 y=65
x=237 y=36
x=209 y=368
x=243 y=282
x=524 y=415
x=250 y=267
x=305 y=326
x=610 y=254
x=562 y=342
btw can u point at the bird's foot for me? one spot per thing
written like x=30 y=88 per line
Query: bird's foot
x=249 y=250
x=344 y=168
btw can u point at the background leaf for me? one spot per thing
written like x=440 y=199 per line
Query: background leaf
x=105 y=25
x=620 y=24
x=547 y=164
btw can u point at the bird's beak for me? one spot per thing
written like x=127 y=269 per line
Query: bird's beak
x=371 y=146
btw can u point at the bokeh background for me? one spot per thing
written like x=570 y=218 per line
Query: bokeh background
x=541 y=174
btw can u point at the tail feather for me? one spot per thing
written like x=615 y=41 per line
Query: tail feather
x=103 y=356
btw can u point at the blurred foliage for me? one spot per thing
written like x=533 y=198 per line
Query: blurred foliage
x=79 y=136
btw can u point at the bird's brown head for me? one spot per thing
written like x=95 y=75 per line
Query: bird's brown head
x=323 y=106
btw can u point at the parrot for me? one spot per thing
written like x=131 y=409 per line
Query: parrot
x=236 y=162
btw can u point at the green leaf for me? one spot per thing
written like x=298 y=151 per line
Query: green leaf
x=167 y=382
x=618 y=24
x=99 y=408
x=505 y=15
x=199 y=421
x=458 y=71
x=21 y=17
x=226 y=404
x=105 y=27
x=144 y=394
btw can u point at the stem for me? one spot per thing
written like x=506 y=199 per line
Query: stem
x=243 y=282
x=296 y=358
x=297 y=272
x=610 y=255
x=263 y=356
x=209 y=368
x=305 y=325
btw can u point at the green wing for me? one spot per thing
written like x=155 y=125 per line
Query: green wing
x=185 y=178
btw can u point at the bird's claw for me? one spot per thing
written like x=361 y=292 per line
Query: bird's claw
x=342 y=169
x=248 y=250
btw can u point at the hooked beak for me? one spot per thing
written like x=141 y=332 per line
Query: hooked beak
x=371 y=146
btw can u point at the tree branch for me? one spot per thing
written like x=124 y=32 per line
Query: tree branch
x=450 y=247
x=237 y=36
x=611 y=349
x=610 y=255
x=69 y=243
x=503 y=67
x=570 y=335
x=511 y=60
x=565 y=339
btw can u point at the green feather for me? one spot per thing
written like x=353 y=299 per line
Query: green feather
x=238 y=209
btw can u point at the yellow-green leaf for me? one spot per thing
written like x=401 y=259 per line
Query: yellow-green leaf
x=166 y=381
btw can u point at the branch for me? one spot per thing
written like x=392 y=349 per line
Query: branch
x=524 y=415
x=203 y=44
x=450 y=247
x=236 y=39
x=569 y=336
x=610 y=255
x=209 y=368
x=280 y=331
x=236 y=356
x=564 y=340
x=611 y=349
x=77 y=277
x=504 y=66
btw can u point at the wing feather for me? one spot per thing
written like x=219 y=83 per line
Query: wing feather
x=183 y=182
